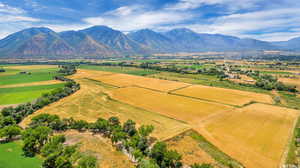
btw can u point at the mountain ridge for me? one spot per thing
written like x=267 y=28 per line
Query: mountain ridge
x=103 y=42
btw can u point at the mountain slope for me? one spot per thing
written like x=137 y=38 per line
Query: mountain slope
x=34 y=42
x=85 y=45
x=292 y=44
x=153 y=40
x=115 y=40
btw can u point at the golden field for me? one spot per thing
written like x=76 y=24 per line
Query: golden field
x=178 y=107
x=256 y=135
x=221 y=95
x=190 y=150
x=124 y=80
x=92 y=102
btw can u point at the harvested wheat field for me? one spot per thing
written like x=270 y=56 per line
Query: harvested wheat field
x=92 y=102
x=124 y=80
x=178 y=107
x=256 y=135
x=91 y=74
x=32 y=84
x=221 y=95
x=101 y=148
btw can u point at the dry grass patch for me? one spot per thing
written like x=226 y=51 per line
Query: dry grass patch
x=221 y=95
x=190 y=150
x=107 y=155
x=124 y=80
x=32 y=84
x=256 y=135
x=92 y=102
x=181 y=108
x=31 y=67
x=291 y=81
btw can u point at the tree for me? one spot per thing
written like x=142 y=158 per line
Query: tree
x=55 y=144
x=129 y=127
x=172 y=159
x=146 y=163
x=87 y=162
x=80 y=125
x=158 y=152
x=100 y=126
x=146 y=130
x=114 y=121
x=34 y=139
x=9 y=132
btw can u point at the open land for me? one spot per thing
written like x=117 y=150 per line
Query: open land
x=101 y=148
x=260 y=131
x=221 y=95
x=11 y=153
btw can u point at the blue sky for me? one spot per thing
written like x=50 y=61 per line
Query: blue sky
x=271 y=20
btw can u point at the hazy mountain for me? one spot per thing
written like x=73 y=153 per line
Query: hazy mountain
x=115 y=40
x=292 y=44
x=102 y=41
x=151 y=39
x=86 y=45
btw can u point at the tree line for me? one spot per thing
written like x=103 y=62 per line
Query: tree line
x=39 y=138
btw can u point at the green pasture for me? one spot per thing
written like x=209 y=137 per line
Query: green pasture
x=11 y=156
x=18 y=95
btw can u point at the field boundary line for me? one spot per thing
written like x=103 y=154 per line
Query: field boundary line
x=290 y=140
x=206 y=100
x=171 y=91
x=100 y=82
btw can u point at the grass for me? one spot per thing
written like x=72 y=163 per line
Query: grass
x=291 y=155
x=276 y=72
x=292 y=101
x=13 y=77
x=11 y=157
x=18 y=95
x=118 y=69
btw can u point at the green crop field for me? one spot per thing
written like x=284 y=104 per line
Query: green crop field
x=11 y=157
x=14 y=77
x=118 y=69
x=18 y=95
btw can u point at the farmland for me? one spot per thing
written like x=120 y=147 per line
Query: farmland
x=16 y=95
x=11 y=153
x=92 y=102
x=16 y=87
x=226 y=96
x=269 y=129
x=218 y=121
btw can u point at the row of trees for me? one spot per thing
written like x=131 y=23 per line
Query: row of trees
x=270 y=82
x=136 y=142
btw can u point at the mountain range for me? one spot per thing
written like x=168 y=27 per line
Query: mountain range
x=104 y=42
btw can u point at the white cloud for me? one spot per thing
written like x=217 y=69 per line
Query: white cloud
x=13 y=18
x=231 y=4
x=263 y=22
x=10 y=10
x=129 y=18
